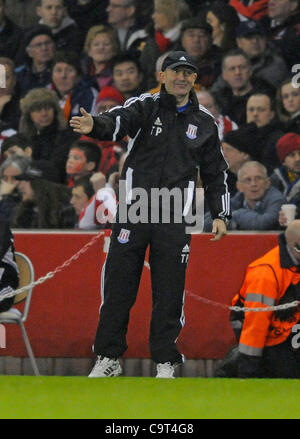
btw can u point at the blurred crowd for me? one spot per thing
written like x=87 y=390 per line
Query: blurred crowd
x=57 y=56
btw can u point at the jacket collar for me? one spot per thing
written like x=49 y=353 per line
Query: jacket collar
x=169 y=100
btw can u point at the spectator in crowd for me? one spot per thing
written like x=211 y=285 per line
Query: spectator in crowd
x=128 y=77
x=266 y=129
x=86 y=13
x=238 y=148
x=35 y=72
x=72 y=89
x=9 y=278
x=9 y=193
x=265 y=346
x=254 y=10
x=53 y=14
x=101 y=208
x=83 y=159
x=286 y=177
x=288 y=105
x=196 y=40
x=165 y=35
x=82 y=192
x=158 y=66
x=16 y=145
x=236 y=85
x=266 y=65
x=283 y=22
x=109 y=97
x=45 y=204
x=100 y=48
x=10 y=34
x=9 y=96
x=224 y=20
x=122 y=17
x=43 y=124
x=256 y=205
x=22 y=12
x=209 y=101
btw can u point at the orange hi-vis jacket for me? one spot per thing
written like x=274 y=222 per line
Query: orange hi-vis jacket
x=265 y=283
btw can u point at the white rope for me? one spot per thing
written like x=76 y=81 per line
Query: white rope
x=244 y=309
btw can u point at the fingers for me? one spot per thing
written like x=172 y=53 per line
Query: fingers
x=83 y=112
x=218 y=236
x=219 y=230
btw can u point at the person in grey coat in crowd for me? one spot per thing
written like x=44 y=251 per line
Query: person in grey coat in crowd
x=256 y=205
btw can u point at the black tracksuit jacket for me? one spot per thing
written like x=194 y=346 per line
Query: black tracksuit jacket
x=166 y=149
x=161 y=152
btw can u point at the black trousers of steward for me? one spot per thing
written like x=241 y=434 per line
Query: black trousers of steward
x=168 y=257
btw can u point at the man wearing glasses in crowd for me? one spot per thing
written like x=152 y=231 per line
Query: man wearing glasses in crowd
x=171 y=139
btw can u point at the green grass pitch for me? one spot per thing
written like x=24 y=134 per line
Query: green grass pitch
x=53 y=397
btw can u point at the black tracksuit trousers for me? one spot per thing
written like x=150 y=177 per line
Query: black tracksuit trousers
x=168 y=257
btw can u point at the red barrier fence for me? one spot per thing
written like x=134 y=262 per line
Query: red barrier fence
x=64 y=311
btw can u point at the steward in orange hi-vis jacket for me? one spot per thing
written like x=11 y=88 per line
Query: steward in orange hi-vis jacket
x=266 y=346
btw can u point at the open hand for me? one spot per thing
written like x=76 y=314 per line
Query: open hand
x=82 y=124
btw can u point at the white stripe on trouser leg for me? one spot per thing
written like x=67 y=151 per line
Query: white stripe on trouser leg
x=102 y=285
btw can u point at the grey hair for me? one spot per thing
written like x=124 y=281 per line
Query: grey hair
x=19 y=162
x=251 y=163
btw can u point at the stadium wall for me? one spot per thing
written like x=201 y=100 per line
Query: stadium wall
x=64 y=310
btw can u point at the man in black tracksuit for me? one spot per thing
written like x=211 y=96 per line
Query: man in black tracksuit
x=171 y=138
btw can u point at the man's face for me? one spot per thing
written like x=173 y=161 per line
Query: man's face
x=259 y=110
x=234 y=157
x=281 y=9
x=292 y=161
x=79 y=199
x=41 y=49
x=196 y=42
x=126 y=77
x=207 y=101
x=293 y=241
x=179 y=81
x=64 y=77
x=119 y=12
x=253 y=183
x=236 y=71
x=52 y=12
x=252 y=45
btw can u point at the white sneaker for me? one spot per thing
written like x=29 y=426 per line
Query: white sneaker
x=106 y=367
x=165 y=370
